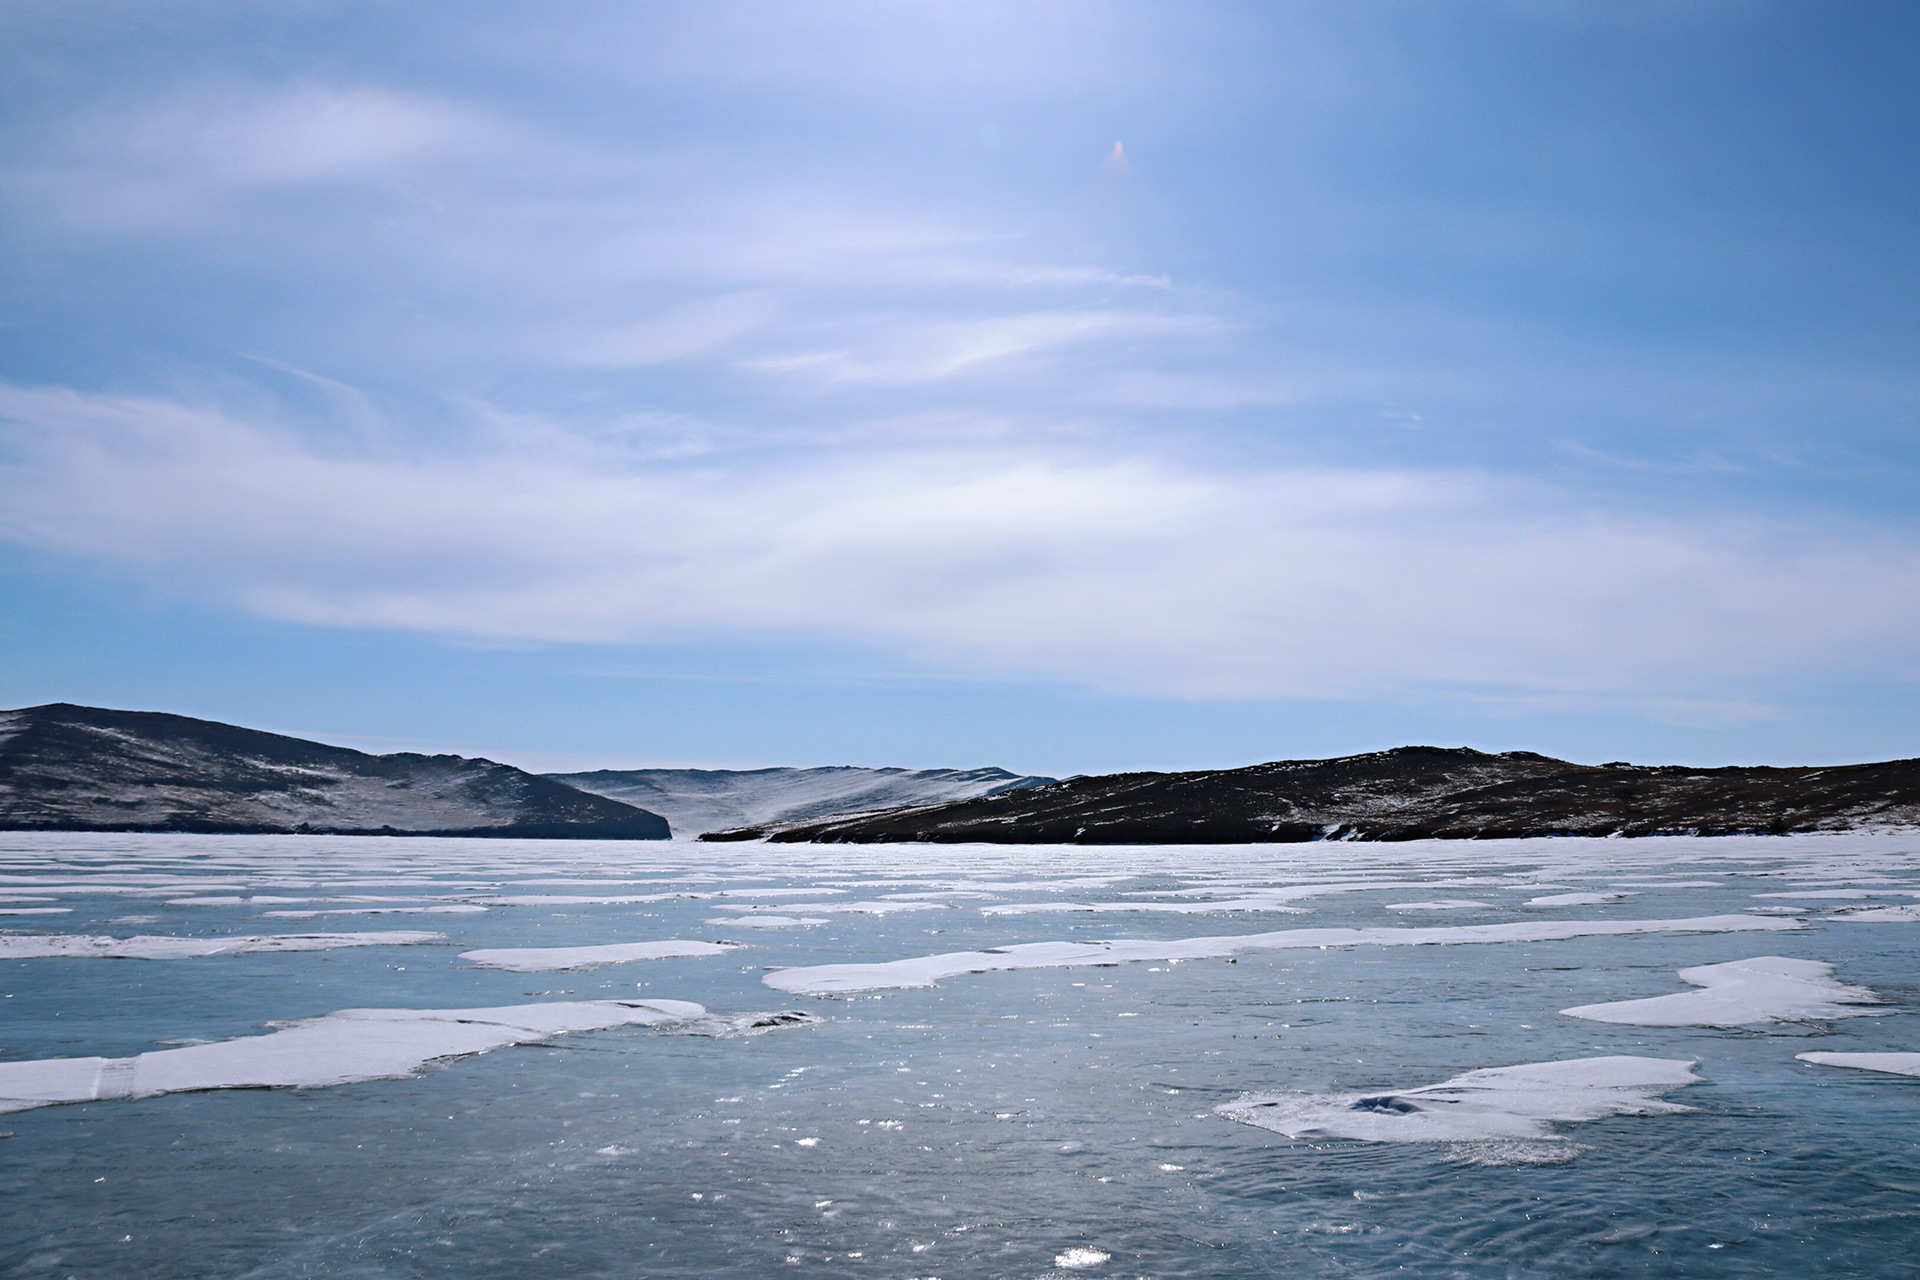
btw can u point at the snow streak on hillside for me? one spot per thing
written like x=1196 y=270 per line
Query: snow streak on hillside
x=694 y=801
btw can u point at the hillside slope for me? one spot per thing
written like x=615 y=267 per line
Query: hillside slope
x=1408 y=793
x=701 y=800
x=69 y=768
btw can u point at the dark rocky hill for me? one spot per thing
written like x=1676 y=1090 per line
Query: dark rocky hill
x=1409 y=793
x=68 y=768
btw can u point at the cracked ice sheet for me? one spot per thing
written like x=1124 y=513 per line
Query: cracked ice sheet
x=1520 y=1102
x=1742 y=993
x=925 y=971
x=1899 y=1064
x=148 y=947
x=552 y=959
x=347 y=1047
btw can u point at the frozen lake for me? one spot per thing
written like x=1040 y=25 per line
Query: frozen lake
x=1503 y=1058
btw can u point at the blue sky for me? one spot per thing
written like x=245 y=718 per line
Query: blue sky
x=1066 y=386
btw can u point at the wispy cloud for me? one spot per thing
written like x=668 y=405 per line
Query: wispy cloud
x=914 y=353
x=172 y=164
x=1130 y=574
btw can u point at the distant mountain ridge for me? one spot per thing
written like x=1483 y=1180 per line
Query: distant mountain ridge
x=1408 y=793
x=72 y=768
x=696 y=801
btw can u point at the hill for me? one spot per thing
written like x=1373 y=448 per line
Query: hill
x=702 y=800
x=69 y=768
x=1409 y=793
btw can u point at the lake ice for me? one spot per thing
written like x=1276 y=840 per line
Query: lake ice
x=959 y=1060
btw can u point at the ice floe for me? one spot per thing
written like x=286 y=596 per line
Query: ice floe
x=145 y=947
x=1742 y=993
x=1178 y=908
x=1905 y=913
x=925 y=971
x=1593 y=899
x=578 y=899
x=551 y=959
x=767 y=922
x=445 y=909
x=1521 y=1102
x=866 y=908
x=1819 y=895
x=1442 y=904
x=1899 y=1064
x=347 y=1047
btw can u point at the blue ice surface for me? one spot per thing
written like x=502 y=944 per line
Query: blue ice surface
x=986 y=1126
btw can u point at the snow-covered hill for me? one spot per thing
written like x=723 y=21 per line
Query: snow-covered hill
x=68 y=768
x=700 y=800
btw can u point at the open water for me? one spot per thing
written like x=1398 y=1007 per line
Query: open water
x=1033 y=1122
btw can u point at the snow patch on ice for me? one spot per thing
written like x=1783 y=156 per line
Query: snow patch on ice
x=579 y=899
x=1905 y=913
x=347 y=1047
x=1819 y=895
x=1592 y=899
x=1742 y=993
x=867 y=908
x=145 y=947
x=1494 y=1104
x=552 y=959
x=1899 y=1064
x=925 y=971
x=1179 y=908
x=449 y=909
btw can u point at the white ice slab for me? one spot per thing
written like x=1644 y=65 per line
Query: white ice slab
x=1742 y=993
x=39 y=946
x=1905 y=913
x=925 y=971
x=885 y=908
x=1521 y=1102
x=550 y=959
x=1441 y=904
x=1592 y=899
x=1175 y=908
x=1899 y=1064
x=767 y=921
x=576 y=899
x=444 y=909
x=1224 y=898
x=347 y=1047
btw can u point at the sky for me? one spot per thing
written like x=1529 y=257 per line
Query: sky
x=1065 y=386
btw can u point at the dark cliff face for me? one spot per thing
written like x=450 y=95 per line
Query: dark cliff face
x=69 y=768
x=1409 y=793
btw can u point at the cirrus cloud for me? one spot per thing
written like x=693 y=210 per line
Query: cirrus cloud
x=1133 y=574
